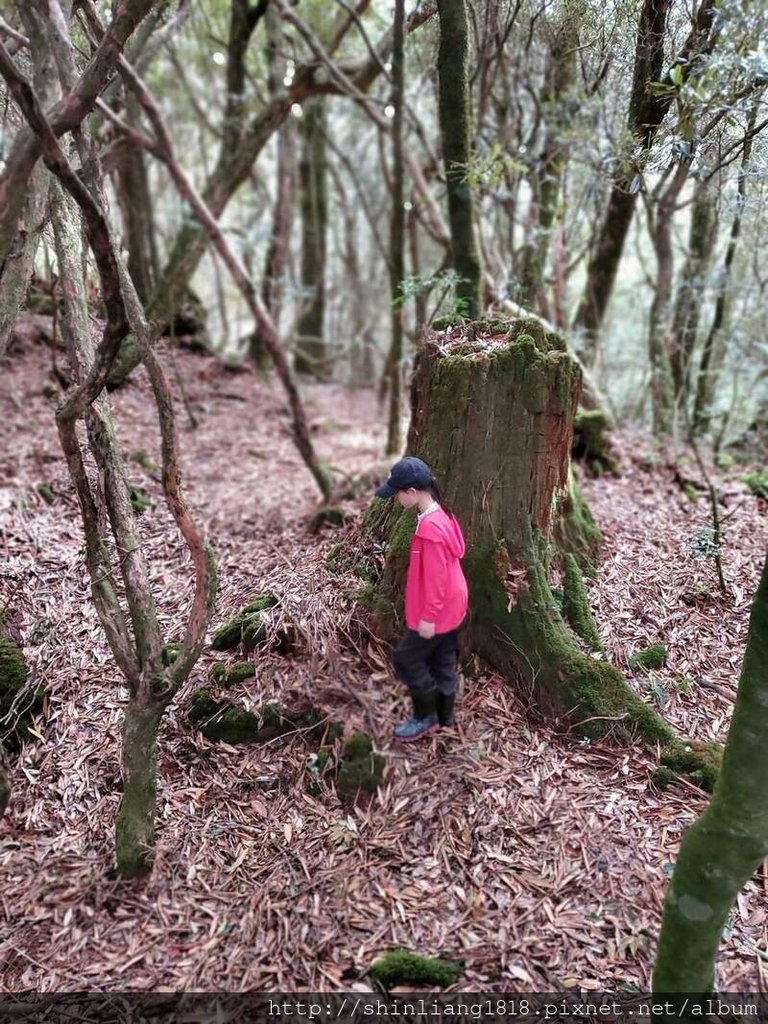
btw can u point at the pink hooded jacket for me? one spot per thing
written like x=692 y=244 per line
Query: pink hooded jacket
x=436 y=590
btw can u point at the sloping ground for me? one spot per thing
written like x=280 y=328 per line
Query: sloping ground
x=539 y=863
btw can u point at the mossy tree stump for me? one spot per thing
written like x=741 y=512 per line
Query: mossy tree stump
x=492 y=414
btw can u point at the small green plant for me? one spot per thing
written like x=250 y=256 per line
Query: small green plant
x=651 y=657
x=684 y=685
x=758 y=483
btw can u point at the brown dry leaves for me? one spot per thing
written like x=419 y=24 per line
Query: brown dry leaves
x=540 y=864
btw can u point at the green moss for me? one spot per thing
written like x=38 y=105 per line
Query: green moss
x=13 y=681
x=699 y=762
x=575 y=607
x=334 y=556
x=402 y=967
x=574 y=530
x=218 y=672
x=334 y=731
x=758 y=483
x=591 y=443
x=222 y=722
x=665 y=777
x=170 y=653
x=246 y=628
x=651 y=658
x=238 y=673
x=46 y=493
x=330 y=515
x=360 y=769
x=140 y=500
x=143 y=460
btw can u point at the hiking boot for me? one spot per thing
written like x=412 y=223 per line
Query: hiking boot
x=445 y=706
x=424 y=719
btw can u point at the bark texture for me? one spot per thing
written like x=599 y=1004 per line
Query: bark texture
x=726 y=845
x=456 y=132
x=311 y=353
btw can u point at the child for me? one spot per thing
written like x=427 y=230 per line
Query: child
x=435 y=601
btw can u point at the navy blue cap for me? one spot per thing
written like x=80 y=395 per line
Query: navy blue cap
x=408 y=472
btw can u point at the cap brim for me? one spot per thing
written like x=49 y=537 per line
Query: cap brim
x=385 y=491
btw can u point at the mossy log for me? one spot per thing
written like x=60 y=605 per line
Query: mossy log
x=722 y=850
x=222 y=721
x=494 y=419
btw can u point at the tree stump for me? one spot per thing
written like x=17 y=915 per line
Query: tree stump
x=492 y=409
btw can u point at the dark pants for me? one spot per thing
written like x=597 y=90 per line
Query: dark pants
x=428 y=664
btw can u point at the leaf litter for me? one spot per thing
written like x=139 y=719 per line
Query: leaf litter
x=540 y=862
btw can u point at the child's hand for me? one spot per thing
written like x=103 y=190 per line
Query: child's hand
x=426 y=630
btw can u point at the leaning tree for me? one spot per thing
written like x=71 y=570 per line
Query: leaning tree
x=492 y=409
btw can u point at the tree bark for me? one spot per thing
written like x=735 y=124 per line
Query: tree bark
x=456 y=133
x=311 y=355
x=397 y=235
x=712 y=350
x=548 y=173
x=725 y=846
x=136 y=205
x=691 y=287
x=135 y=826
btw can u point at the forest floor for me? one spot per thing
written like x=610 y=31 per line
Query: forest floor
x=540 y=862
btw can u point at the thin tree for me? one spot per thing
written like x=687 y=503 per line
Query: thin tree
x=456 y=134
x=397 y=237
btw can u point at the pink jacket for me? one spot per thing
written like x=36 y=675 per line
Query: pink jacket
x=436 y=590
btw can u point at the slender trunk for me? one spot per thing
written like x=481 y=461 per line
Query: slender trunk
x=135 y=199
x=658 y=345
x=397 y=238
x=690 y=290
x=711 y=354
x=547 y=179
x=311 y=351
x=725 y=846
x=135 y=831
x=456 y=132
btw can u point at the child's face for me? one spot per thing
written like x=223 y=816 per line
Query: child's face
x=409 y=498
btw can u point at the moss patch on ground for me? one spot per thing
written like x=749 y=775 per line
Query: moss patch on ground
x=651 y=657
x=402 y=967
x=246 y=628
x=699 y=762
x=360 y=769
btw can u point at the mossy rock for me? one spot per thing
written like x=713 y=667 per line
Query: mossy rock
x=13 y=680
x=402 y=967
x=758 y=483
x=699 y=762
x=246 y=629
x=330 y=515
x=652 y=657
x=360 y=769
x=46 y=493
x=221 y=721
x=140 y=500
x=239 y=673
x=591 y=444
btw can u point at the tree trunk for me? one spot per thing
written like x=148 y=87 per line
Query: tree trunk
x=456 y=132
x=725 y=846
x=397 y=236
x=311 y=350
x=135 y=199
x=712 y=350
x=658 y=332
x=547 y=178
x=135 y=831
x=690 y=290
x=495 y=422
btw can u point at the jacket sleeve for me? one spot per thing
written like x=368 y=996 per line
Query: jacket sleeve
x=434 y=560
